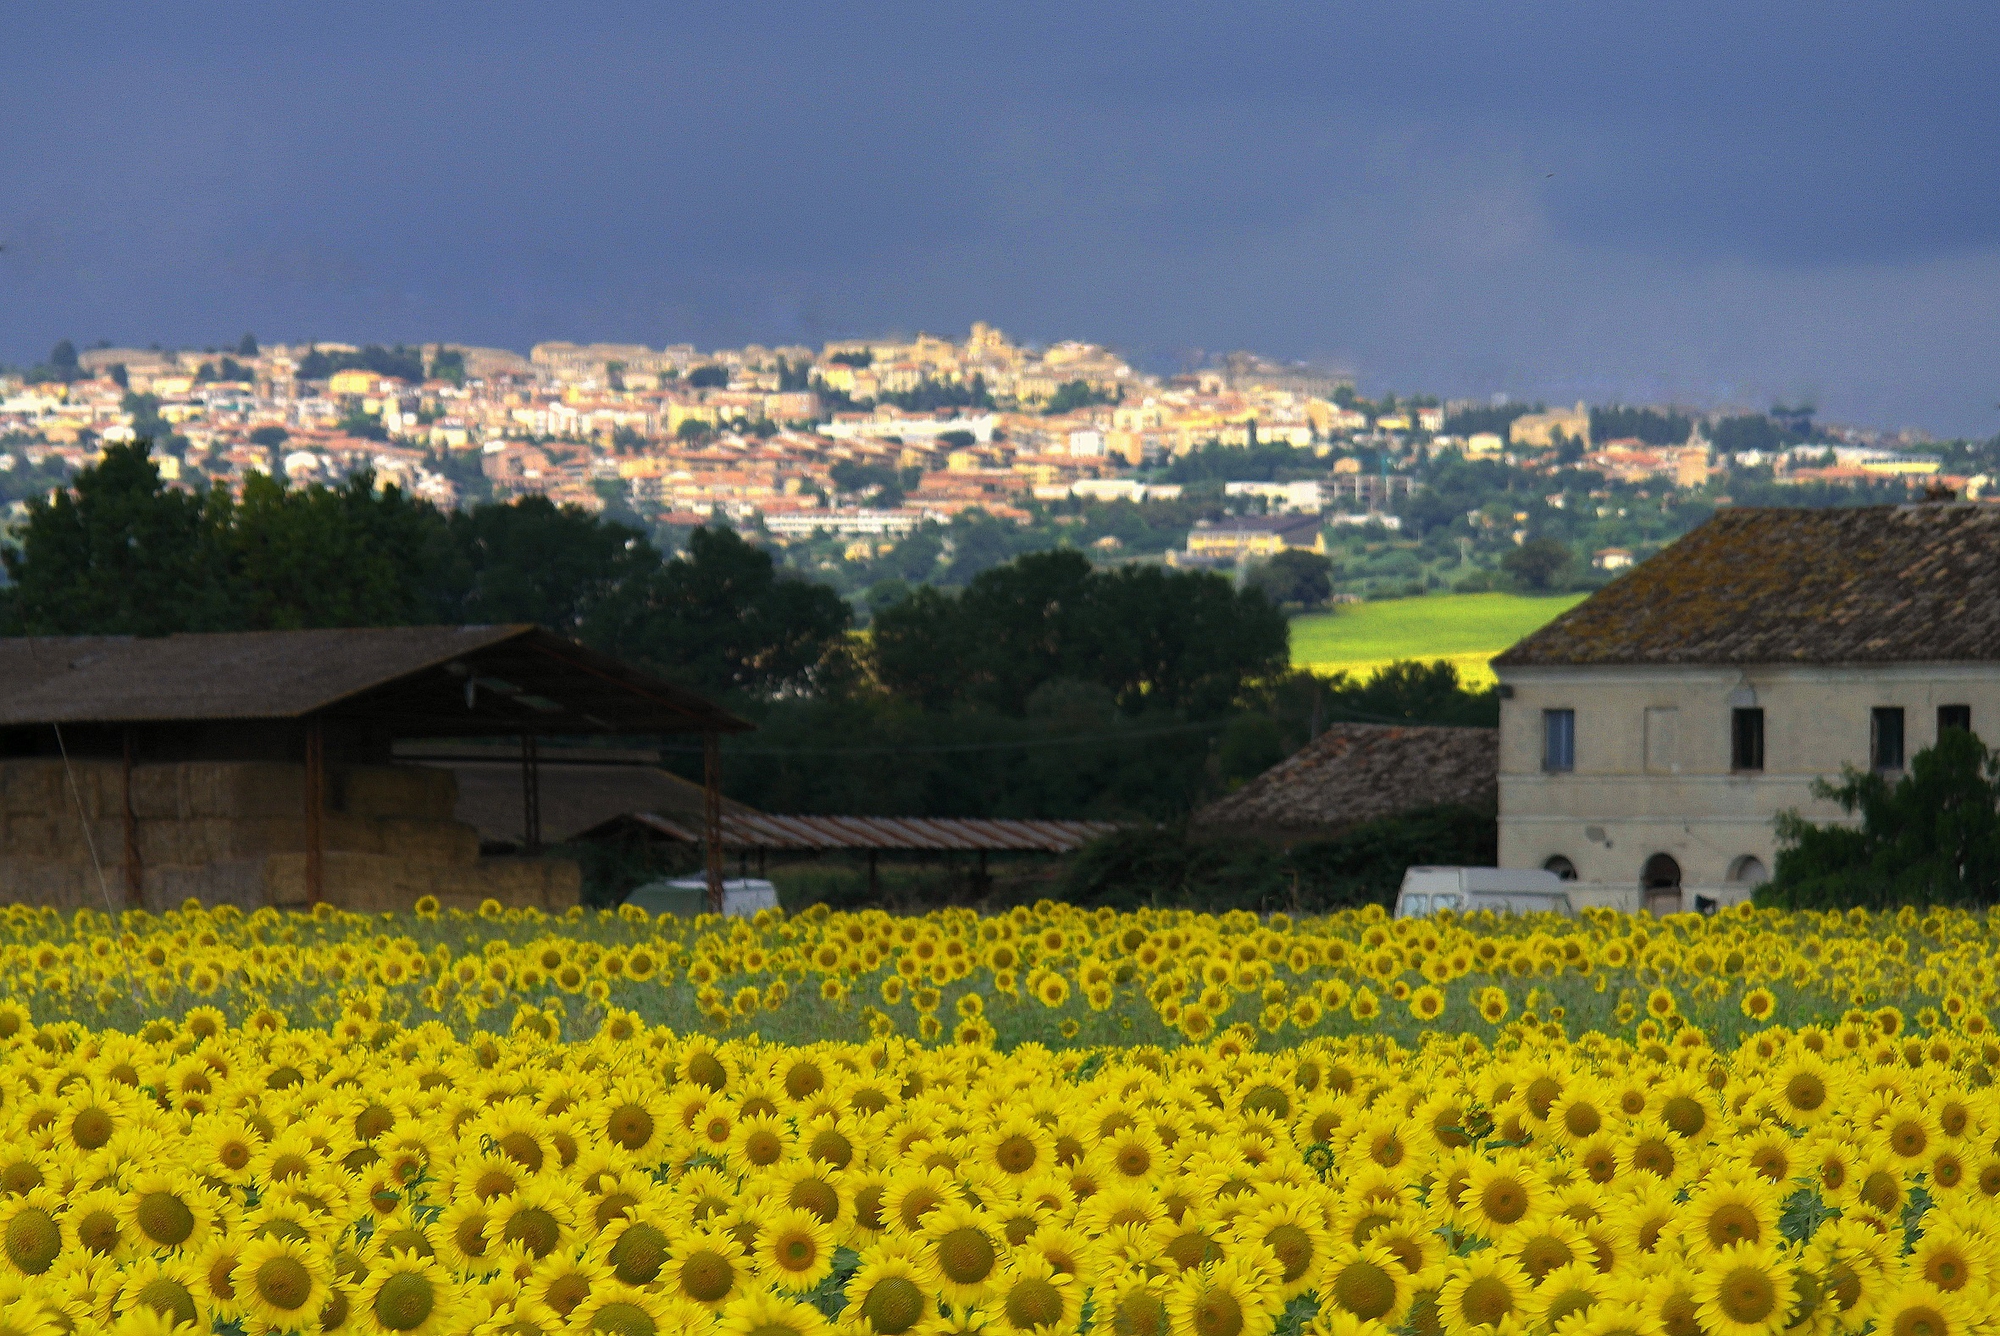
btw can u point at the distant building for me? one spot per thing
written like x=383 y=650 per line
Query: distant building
x=1537 y=431
x=1256 y=536
x=1302 y=498
x=1611 y=558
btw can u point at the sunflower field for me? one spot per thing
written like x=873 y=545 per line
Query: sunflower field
x=1048 y=1121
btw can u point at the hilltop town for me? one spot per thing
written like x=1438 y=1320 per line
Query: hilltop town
x=896 y=460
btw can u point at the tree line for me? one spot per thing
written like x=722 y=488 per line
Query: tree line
x=121 y=553
x=1046 y=687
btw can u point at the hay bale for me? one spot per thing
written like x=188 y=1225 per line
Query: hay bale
x=31 y=787
x=45 y=881
x=412 y=792
x=245 y=789
x=159 y=793
x=428 y=841
x=238 y=882
x=182 y=843
x=36 y=836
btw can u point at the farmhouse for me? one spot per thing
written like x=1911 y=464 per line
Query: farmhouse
x=1649 y=736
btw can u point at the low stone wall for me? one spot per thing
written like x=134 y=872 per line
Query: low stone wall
x=236 y=833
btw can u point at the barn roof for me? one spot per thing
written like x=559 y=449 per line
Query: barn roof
x=410 y=681
x=1862 y=584
x=1363 y=772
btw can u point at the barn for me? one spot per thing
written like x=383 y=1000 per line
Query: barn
x=261 y=768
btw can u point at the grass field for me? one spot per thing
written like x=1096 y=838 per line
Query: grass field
x=1467 y=629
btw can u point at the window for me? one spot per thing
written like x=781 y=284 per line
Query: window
x=1663 y=724
x=1954 y=716
x=1886 y=737
x=1746 y=739
x=1562 y=867
x=1558 y=740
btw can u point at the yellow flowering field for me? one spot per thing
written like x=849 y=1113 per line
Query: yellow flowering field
x=1052 y=1120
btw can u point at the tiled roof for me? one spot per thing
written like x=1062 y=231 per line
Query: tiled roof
x=1874 y=584
x=1361 y=772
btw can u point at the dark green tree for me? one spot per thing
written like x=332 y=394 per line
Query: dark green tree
x=1413 y=692
x=1296 y=578
x=449 y=364
x=709 y=378
x=722 y=619
x=119 y=553
x=1537 y=563
x=1072 y=395
x=1930 y=837
x=247 y=346
x=1157 y=640
x=147 y=423
x=348 y=555
x=534 y=561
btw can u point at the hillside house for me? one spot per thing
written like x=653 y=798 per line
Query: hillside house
x=1650 y=735
x=1255 y=536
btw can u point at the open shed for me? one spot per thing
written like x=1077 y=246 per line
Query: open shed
x=259 y=767
x=749 y=833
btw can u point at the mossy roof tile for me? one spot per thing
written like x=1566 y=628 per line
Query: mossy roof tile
x=1861 y=584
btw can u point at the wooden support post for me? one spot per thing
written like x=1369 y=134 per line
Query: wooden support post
x=135 y=897
x=874 y=882
x=981 y=886
x=531 y=795
x=711 y=814
x=315 y=812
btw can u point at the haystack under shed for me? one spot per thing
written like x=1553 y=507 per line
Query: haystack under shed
x=1354 y=773
x=259 y=768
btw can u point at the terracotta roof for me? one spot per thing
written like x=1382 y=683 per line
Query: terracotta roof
x=1362 y=772
x=1872 y=584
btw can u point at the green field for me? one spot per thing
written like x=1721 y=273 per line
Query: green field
x=1467 y=629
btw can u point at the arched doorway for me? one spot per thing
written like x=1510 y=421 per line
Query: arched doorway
x=1561 y=866
x=1749 y=870
x=1660 y=884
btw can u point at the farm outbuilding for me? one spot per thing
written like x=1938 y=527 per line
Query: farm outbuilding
x=259 y=768
x=1355 y=773
x=748 y=833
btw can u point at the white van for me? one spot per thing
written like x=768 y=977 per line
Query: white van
x=1426 y=890
x=686 y=897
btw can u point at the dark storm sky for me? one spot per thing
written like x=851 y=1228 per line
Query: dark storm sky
x=1715 y=204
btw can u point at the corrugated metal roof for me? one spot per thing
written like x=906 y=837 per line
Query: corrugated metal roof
x=415 y=680
x=763 y=831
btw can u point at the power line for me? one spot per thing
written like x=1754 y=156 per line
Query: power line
x=1335 y=715
x=1079 y=740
